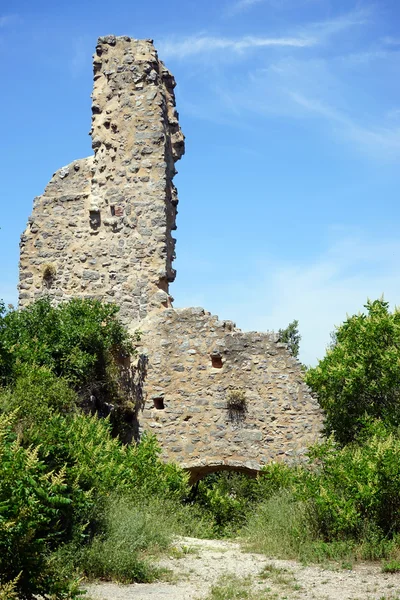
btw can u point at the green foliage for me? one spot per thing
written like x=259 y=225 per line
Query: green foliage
x=76 y=340
x=99 y=461
x=130 y=529
x=226 y=497
x=345 y=504
x=355 y=490
x=72 y=465
x=280 y=526
x=360 y=374
x=37 y=394
x=275 y=477
x=59 y=466
x=233 y=587
x=8 y=591
x=291 y=336
x=33 y=502
x=392 y=566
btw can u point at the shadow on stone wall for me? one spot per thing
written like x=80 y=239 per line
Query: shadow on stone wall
x=132 y=380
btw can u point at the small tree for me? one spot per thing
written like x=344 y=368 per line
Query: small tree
x=359 y=377
x=291 y=337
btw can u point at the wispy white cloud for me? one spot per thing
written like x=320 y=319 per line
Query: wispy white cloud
x=6 y=20
x=391 y=41
x=321 y=90
x=325 y=29
x=239 y=6
x=369 y=138
x=306 y=36
x=205 y=44
x=319 y=292
x=242 y=5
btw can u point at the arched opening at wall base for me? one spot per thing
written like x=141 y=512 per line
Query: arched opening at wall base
x=197 y=472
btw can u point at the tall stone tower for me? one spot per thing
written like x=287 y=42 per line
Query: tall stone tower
x=103 y=226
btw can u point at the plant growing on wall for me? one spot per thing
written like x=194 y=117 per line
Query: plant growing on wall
x=291 y=336
x=49 y=273
x=237 y=405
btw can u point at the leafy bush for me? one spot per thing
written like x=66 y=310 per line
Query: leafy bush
x=360 y=375
x=224 y=498
x=81 y=463
x=344 y=504
x=33 y=503
x=90 y=453
x=355 y=490
x=76 y=340
x=37 y=394
x=227 y=498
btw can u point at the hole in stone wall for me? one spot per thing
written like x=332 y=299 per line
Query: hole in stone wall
x=49 y=274
x=158 y=403
x=94 y=219
x=216 y=362
x=112 y=209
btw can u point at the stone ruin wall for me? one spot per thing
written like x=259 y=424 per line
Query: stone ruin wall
x=195 y=362
x=103 y=228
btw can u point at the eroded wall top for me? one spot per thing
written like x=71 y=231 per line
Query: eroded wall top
x=103 y=226
x=217 y=397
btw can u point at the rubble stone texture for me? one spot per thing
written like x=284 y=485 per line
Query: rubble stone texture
x=103 y=229
x=103 y=226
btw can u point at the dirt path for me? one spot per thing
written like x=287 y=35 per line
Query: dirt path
x=200 y=563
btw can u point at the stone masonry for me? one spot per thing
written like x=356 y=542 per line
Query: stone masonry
x=196 y=364
x=103 y=226
x=214 y=396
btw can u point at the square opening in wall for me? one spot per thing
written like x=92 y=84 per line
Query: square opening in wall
x=216 y=360
x=158 y=403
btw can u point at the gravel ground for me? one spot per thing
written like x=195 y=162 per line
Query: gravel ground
x=202 y=562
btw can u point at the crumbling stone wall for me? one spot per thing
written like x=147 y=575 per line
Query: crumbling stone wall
x=103 y=229
x=197 y=363
x=103 y=226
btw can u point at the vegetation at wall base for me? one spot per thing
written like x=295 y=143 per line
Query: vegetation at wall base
x=76 y=502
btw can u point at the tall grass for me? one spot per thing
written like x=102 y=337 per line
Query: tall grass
x=284 y=527
x=135 y=533
x=280 y=527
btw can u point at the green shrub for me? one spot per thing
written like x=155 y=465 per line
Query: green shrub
x=33 y=503
x=91 y=455
x=225 y=498
x=357 y=484
x=275 y=477
x=37 y=394
x=77 y=340
x=360 y=374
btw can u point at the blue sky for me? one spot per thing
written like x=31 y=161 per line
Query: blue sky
x=291 y=110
